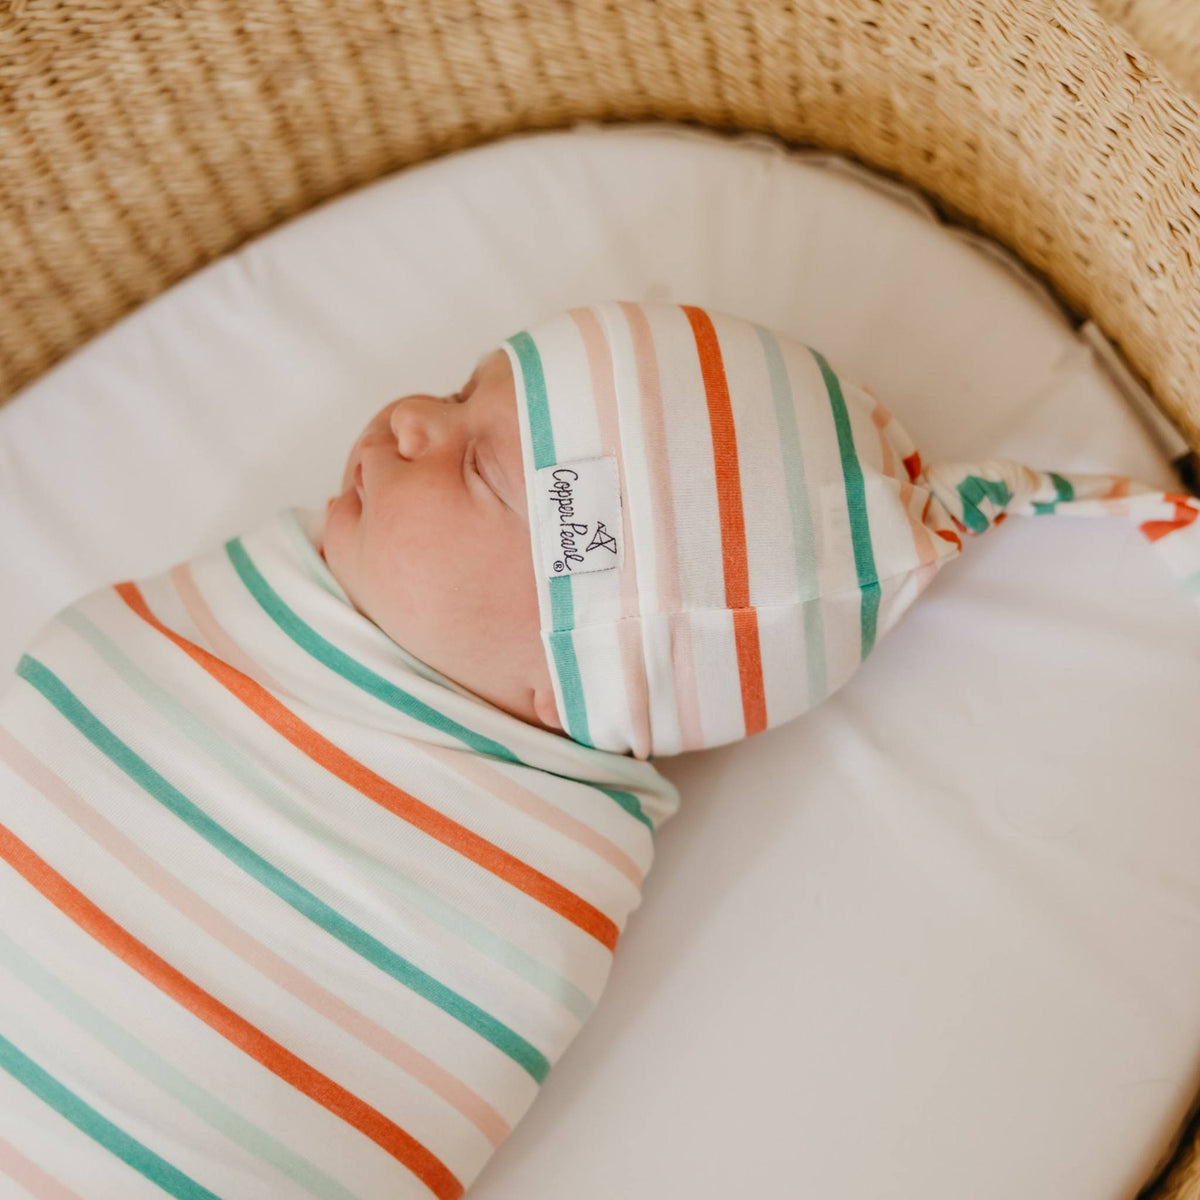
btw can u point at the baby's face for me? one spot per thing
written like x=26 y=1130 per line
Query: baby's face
x=430 y=540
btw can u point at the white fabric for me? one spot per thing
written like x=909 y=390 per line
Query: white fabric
x=861 y=967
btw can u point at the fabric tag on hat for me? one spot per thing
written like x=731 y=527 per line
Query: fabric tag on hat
x=579 y=516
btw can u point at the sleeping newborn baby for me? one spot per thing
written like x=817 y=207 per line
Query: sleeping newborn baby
x=317 y=847
x=437 y=484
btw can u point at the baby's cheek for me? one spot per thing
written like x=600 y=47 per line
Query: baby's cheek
x=514 y=585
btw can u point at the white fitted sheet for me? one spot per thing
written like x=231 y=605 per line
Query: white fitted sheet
x=940 y=937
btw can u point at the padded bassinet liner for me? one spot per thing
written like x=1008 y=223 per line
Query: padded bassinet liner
x=937 y=938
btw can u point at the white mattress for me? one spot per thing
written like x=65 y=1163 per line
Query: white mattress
x=939 y=938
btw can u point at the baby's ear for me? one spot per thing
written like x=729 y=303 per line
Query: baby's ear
x=543 y=705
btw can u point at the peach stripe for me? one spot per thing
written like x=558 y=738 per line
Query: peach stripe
x=478 y=770
x=658 y=467
x=239 y=1032
x=683 y=667
x=223 y=645
x=629 y=633
x=1119 y=491
x=508 y=790
x=30 y=1176
x=395 y=799
x=293 y=981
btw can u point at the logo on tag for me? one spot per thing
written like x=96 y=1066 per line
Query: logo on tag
x=579 y=511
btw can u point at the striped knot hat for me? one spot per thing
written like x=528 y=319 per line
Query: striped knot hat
x=723 y=527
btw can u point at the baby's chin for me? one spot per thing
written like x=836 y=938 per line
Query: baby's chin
x=344 y=508
x=333 y=540
x=341 y=515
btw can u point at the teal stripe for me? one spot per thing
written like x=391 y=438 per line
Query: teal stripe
x=541 y=430
x=363 y=864
x=349 y=668
x=856 y=500
x=1065 y=492
x=302 y=900
x=972 y=491
x=99 y=1128
x=803 y=535
x=374 y=684
x=315 y=568
x=562 y=646
x=141 y=1058
x=562 y=608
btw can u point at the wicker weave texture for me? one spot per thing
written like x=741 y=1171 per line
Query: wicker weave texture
x=1168 y=29
x=140 y=140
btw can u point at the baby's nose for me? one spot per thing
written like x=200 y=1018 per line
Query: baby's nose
x=417 y=423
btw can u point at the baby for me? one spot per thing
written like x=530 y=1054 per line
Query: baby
x=429 y=538
x=315 y=848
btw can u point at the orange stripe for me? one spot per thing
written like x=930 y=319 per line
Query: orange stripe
x=293 y=1070
x=397 y=801
x=733 y=525
x=1185 y=513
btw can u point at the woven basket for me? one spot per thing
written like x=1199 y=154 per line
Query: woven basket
x=1168 y=29
x=140 y=140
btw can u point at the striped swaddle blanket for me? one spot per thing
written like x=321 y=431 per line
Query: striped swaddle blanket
x=286 y=913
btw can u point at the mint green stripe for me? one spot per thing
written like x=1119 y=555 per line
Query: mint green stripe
x=99 y=1128
x=302 y=900
x=803 y=536
x=141 y=1058
x=311 y=560
x=856 y=500
x=496 y=947
x=1192 y=583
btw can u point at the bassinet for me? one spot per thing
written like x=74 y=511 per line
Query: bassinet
x=140 y=142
